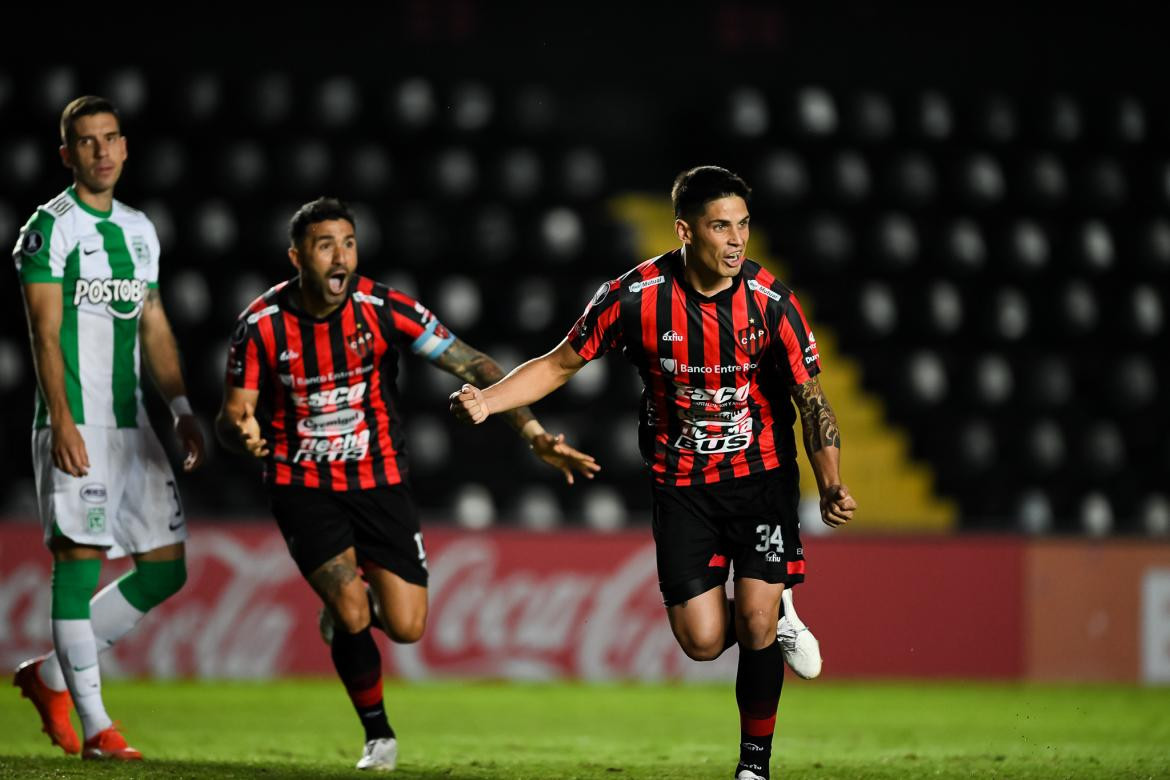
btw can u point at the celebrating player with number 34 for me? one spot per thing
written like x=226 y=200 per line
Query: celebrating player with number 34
x=721 y=346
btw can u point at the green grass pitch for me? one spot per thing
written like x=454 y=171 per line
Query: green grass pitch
x=497 y=731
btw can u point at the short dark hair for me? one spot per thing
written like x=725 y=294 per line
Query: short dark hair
x=320 y=210
x=695 y=188
x=87 y=105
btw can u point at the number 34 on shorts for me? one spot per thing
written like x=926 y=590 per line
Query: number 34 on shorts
x=771 y=538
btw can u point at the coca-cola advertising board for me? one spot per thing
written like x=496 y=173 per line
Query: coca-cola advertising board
x=503 y=605
x=582 y=605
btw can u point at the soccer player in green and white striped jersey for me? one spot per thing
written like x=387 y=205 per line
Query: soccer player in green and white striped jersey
x=88 y=268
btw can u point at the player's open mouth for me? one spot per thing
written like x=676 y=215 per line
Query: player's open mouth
x=734 y=258
x=336 y=282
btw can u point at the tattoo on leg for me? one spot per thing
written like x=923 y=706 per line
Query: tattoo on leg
x=818 y=422
x=333 y=576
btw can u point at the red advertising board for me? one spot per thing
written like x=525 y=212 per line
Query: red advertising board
x=521 y=605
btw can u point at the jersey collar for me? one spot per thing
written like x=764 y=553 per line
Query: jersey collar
x=291 y=291
x=677 y=269
x=86 y=207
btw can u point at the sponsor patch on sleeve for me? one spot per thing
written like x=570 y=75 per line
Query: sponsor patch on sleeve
x=33 y=242
x=643 y=284
x=768 y=291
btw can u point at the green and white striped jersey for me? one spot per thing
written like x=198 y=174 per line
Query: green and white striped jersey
x=105 y=263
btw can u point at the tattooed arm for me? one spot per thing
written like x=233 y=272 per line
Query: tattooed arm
x=822 y=443
x=478 y=370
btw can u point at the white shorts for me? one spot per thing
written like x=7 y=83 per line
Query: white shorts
x=128 y=501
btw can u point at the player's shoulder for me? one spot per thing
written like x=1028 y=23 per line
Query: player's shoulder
x=366 y=290
x=264 y=305
x=126 y=214
x=649 y=273
x=644 y=276
x=54 y=212
x=761 y=281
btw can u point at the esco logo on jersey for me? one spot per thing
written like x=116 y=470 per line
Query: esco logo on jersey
x=346 y=394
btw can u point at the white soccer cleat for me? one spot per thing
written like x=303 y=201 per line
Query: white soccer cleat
x=379 y=755
x=802 y=651
x=747 y=774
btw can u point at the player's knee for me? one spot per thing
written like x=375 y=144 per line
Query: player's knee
x=705 y=652
x=351 y=615
x=408 y=629
x=756 y=628
x=153 y=582
x=702 y=647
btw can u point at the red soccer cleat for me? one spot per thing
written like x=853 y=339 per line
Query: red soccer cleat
x=109 y=745
x=53 y=706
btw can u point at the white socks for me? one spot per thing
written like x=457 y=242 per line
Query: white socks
x=111 y=616
x=79 y=664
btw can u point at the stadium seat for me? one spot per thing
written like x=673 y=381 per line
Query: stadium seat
x=337 y=101
x=412 y=104
x=473 y=507
x=128 y=88
x=871 y=117
x=748 y=112
x=816 y=111
x=187 y=296
x=933 y=117
x=471 y=107
x=25 y=161
x=782 y=177
x=269 y=98
x=603 y=509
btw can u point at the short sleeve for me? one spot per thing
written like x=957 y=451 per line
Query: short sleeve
x=40 y=250
x=155 y=250
x=244 y=355
x=416 y=326
x=598 y=330
x=800 y=354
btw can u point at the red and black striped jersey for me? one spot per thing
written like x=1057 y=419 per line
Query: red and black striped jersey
x=718 y=371
x=328 y=403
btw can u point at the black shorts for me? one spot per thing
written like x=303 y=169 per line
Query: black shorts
x=381 y=524
x=751 y=522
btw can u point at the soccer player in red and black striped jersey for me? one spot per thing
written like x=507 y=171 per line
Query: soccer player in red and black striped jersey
x=724 y=351
x=311 y=392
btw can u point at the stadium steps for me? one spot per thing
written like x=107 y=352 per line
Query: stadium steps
x=895 y=492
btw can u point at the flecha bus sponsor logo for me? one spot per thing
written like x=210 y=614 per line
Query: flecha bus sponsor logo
x=350 y=447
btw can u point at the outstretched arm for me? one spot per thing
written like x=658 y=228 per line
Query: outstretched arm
x=526 y=384
x=822 y=443
x=160 y=352
x=477 y=370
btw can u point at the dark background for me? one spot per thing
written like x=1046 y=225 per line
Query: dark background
x=481 y=143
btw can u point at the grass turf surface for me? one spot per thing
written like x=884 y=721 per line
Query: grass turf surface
x=486 y=731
